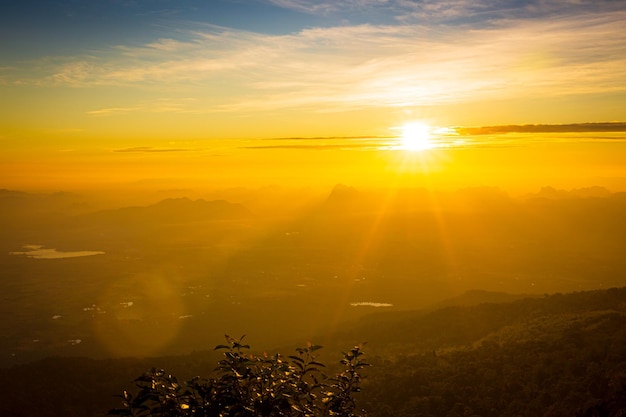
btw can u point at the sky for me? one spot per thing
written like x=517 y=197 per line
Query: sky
x=86 y=86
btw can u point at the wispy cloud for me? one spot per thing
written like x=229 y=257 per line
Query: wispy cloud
x=449 y=11
x=164 y=105
x=322 y=6
x=351 y=67
x=149 y=149
x=325 y=143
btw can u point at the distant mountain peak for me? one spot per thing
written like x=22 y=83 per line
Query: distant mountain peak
x=552 y=193
x=342 y=192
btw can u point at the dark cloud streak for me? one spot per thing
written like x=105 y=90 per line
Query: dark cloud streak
x=148 y=149
x=543 y=128
x=317 y=146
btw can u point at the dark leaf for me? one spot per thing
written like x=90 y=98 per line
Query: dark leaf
x=221 y=347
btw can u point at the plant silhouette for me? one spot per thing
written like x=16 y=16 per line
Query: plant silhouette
x=251 y=385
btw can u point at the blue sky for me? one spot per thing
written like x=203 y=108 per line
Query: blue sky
x=32 y=24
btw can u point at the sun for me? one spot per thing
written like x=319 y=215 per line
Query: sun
x=416 y=137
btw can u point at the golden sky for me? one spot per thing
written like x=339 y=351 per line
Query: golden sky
x=128 y=91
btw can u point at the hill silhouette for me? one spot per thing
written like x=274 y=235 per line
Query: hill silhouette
x=525 y=318
x=168 y=211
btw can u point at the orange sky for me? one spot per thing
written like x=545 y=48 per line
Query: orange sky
x=513 y=161
x=113 y=94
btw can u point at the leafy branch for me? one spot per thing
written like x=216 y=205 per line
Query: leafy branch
x=247 y=385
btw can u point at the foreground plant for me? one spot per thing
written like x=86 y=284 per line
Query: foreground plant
x=250 y=385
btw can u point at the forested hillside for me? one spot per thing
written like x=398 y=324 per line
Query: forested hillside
x=557 y=355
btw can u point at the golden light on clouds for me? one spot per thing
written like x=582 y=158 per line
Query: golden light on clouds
x=176 y=102
x=205 y=83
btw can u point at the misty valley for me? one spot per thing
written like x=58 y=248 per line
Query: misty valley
x=172 y=276
x=169 y=277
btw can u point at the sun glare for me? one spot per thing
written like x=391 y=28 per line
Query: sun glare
x=416 y=137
